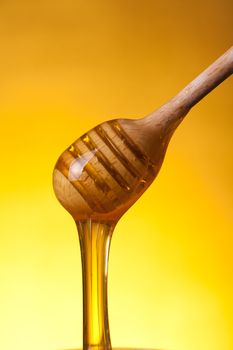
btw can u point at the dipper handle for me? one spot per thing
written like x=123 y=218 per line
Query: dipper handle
x=204 y=83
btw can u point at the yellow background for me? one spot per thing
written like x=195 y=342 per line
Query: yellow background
x=66 y=66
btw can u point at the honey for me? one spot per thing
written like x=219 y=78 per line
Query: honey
x=95 y=238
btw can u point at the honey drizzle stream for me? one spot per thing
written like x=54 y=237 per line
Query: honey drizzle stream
x=95 y=238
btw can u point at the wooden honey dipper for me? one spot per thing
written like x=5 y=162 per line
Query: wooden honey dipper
x=107 y=169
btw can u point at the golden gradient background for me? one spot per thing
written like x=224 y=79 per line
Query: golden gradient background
x=66 y=66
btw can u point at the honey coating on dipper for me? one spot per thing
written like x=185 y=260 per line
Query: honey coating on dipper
x=102 y=174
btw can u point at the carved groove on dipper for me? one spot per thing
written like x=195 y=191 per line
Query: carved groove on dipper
x=98 y=180
x=128 y=141
x=105 y=162
x=78 y=185
x=116 y=151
